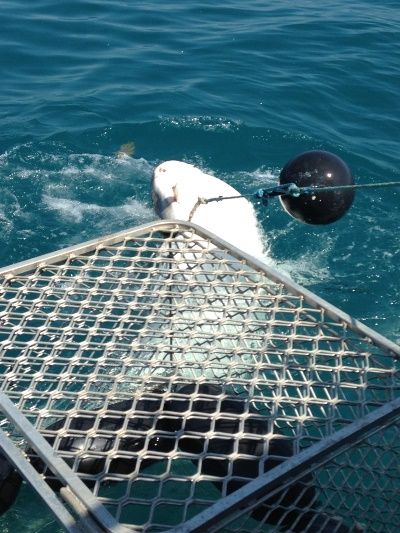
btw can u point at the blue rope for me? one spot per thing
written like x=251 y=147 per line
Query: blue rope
x=291 y=189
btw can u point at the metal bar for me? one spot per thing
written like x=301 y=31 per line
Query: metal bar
x=94 y=508
x=295 y=466
x=87 y=522
x=26 y=470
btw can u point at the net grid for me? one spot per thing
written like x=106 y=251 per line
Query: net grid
x=168 y=370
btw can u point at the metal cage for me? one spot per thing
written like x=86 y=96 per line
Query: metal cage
x=185 y=386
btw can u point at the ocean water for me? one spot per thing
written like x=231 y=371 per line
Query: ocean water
x=237 y=89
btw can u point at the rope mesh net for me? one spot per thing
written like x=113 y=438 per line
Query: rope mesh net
x=168 y=371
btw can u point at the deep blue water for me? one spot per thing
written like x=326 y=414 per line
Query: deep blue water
x=238 y=89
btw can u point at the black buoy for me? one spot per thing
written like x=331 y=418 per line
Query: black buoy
x=317 y=169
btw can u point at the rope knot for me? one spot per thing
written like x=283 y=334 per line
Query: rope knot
x=200 y=201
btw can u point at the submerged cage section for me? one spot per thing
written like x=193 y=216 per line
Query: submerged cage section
x=185 y=386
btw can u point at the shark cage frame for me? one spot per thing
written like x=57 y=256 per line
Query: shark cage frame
x=159 y=379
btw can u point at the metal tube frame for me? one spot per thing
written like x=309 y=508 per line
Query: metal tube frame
x=79 y=496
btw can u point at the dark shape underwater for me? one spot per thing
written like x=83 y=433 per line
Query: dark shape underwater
x=295 y=508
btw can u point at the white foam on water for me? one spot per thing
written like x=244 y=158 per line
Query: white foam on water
x=76 y=211
x=103 y=168
x=259 y=178
x=70 y=210
x=138 y=209
x=204 y=123
x=6 y=224
x=79 y=177
x=310 y=262
x=9 y=209
x=307 y=270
